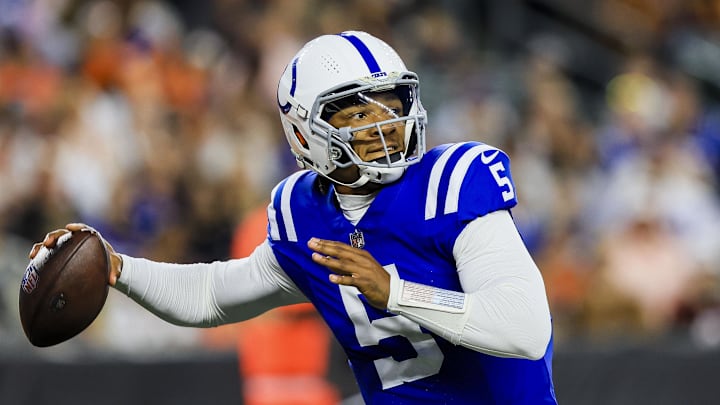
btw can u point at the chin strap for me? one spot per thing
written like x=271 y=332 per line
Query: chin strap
x=382 y=175
x=372 y=175
x=361 y=181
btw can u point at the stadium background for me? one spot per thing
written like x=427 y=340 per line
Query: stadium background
x=156 y=122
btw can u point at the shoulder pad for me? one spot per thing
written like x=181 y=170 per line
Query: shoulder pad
x=470 y=179
x=280 y=219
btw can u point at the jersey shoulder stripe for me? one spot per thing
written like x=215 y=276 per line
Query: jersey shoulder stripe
x=272 y=216
x=471 y=177
x=431 y=199
x=283 y=216
x=458 y=174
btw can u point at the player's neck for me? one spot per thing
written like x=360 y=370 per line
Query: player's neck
x=354 y=206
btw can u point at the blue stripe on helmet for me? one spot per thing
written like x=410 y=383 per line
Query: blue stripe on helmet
x=364 y=52
x=286 y=108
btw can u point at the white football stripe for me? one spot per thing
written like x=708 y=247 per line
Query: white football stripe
x=458 y=174
x=272 y=215
x=434 y=182
x=285 y=206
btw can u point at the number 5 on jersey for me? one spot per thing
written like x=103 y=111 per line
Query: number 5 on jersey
x=497 y=169
x=369 y=333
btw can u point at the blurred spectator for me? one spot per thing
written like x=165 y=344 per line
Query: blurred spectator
x=646 y=263
x=159 y=126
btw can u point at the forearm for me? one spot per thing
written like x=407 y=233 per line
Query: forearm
x=207 y=294
x=504 y=310
x=499 y=321
x=179 y=294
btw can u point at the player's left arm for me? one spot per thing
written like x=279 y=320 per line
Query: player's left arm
x=503 y=309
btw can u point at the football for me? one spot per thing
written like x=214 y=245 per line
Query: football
x=64 y=288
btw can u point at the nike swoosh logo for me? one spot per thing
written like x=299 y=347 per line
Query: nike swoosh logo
x=487 y=159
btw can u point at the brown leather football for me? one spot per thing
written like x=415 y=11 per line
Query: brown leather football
x=64 y=288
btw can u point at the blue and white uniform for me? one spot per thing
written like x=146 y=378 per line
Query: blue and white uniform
x=436 y=229
x=410 y=229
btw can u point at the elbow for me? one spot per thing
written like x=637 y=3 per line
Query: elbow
x=533 y=327
x=526 y=336
x=537 y=349
x=528 y=339
x=508 y=325
x=536 y=341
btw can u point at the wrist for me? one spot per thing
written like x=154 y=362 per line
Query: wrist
x=406 y=294
x=393 y=293
x=116 y=268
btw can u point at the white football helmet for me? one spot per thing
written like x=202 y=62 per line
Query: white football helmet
x=335 y=69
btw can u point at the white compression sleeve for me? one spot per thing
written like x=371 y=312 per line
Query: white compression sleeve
x=208 y=294
x=504 y=310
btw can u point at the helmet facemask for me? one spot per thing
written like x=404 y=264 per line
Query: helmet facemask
x=403 y=113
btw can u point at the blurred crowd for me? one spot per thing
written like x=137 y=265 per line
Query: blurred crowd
x=156 y=122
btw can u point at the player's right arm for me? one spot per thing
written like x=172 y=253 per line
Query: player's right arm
x=201 y=294
x=209 y=294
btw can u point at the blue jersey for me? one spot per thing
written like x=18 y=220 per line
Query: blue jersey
x=410 y=228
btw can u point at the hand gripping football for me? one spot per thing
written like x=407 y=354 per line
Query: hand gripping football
x=64 y=288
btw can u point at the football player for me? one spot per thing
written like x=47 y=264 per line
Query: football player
x=410 y=256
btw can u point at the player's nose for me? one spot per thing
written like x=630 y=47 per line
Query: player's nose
x=386 y=129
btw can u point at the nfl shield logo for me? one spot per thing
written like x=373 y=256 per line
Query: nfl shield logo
x=30 y=279
x=357 y=240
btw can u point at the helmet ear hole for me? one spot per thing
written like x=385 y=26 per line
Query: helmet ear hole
x=301 y=139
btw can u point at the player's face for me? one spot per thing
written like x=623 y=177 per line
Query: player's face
x=373 y=108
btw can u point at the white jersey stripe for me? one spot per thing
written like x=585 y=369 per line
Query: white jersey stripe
x=272 y=215
x=458 y=174
x=431 y=199
x=285 y=205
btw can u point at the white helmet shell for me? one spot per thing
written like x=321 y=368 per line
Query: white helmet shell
x=334 y=66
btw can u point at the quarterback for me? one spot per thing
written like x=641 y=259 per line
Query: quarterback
x=410 y=255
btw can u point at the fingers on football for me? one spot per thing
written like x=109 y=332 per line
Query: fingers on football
x=35 y=248
x=49 y=241
x=52 y=237
x=74 y=227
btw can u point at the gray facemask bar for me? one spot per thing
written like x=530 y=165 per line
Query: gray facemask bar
x=340 y=138
x=346 y=135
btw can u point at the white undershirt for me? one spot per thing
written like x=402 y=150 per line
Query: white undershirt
x=353 y=206
x=506 y=312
